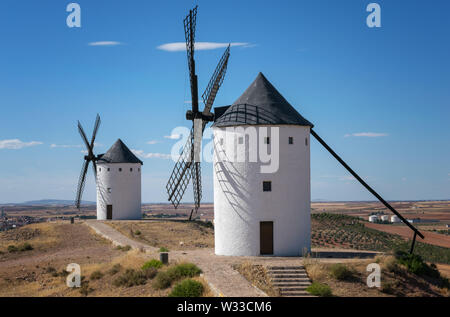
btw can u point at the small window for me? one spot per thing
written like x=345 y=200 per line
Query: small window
x=267 y=186
x=109 y=190
x=306 y=141
x=267 y=140
x=109 y=169
x=139 y=169
x=291 y=140
x=241 y=140
x=131 y=169
x=120 y=169
x=221 y=141
x=99 y=169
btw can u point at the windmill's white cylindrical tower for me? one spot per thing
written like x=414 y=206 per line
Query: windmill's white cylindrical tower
x=262 y=203
x=119 y=184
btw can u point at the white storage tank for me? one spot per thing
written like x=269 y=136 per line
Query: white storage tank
x=118 y=184
x=395 y=219
x=384 y=218
x=261 y=206
x=373 y=218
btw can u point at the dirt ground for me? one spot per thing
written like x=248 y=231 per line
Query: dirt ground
x=170 y=234
x=38 y=272
x=430 y=237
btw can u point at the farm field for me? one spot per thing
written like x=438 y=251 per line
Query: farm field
x=430 y=237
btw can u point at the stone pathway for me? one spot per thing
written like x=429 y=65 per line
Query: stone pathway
x=116 y=237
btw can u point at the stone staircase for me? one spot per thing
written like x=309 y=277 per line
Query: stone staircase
x=292 y=281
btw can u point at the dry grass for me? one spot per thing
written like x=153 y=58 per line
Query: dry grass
x=39 y=272
x=257 y=275
x=395 y=280
x=41 y=236
x=171 y=234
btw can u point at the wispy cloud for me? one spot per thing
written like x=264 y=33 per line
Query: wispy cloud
x=173 y=136
x=65 y=146
x=142 y=154
x=199 y=46
x=367 y=134
x=151 y=142
x=16 y=144
x=105 y=43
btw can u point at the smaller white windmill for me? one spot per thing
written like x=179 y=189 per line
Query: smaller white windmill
x=118 y=178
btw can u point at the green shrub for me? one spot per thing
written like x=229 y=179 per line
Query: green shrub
x=96 y=275
x=85 y=289
x=25 y=247
x=341 y=272
x=387 y=288
x=150 y=272
x=187 y=288
x=162 y=280
x=152 y=263
x=163 y=249
x=415 y=264
x=174 y=273
x=319 y=289
x=12 y=248
x=183 y=270
x=125 y=248
x=130 y=278
x=115 y=269
x=137 y=232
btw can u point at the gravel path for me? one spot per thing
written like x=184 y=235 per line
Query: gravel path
x=116 y=237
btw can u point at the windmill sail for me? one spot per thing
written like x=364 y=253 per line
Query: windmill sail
x=90 y=157
x=188 y=164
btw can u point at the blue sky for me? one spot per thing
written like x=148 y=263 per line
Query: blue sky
x=379 y=96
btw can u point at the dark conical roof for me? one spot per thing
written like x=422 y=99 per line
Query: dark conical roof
x=118 y=153
x=261 y=103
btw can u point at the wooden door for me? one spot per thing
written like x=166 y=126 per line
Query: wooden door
x=266 y=237
x=109 y=212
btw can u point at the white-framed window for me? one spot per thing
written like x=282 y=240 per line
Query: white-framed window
x=120 y=169
x=306 y=141
x=267 y=186
x=291 y=140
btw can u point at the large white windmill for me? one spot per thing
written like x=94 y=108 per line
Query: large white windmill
x=255 y=212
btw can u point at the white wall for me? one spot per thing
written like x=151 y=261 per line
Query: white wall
x=240 y=203
x=125 y=190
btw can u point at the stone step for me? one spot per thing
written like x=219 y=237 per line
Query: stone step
x=287 y=272
x=300 y=275
x=293 y=289
x=291 y=284
x=296 y=293
x=285 y=267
